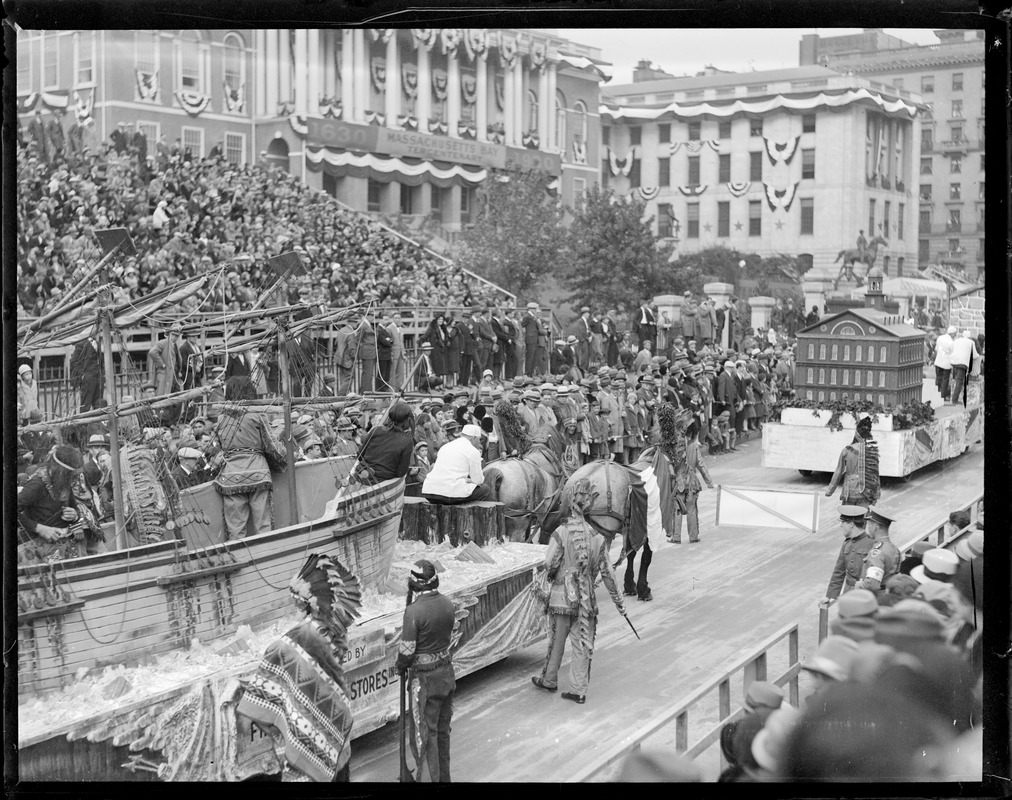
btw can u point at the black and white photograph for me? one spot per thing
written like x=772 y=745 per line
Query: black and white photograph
x=369 y=385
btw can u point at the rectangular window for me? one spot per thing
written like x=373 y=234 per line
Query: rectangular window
x=883 y=352
x=150 y=131
x=886 y=208
x=693 y=170
x=834 y=353
x=927 y=139
x=927 y=84
x=374 y=196
x=605 y=173
x=50 y=59
x=832 y=377
x=957 y=81
x=822 y=353
x=724 y=168
x=955 y=191
x=634 y=173
x=755 y=127
x=146 y=50
x=723 y=218
x=923 y=250
x=193 y=140
x=755 y=220
x=664 y=133
x=807 y=216
x=871 y=217
x=981 y=163
x=956 y=133
x=694 y=131
x=26 y=52
x=955 y=164
x=724 y=129
x=579 y=191
x=85 y=57
x=635 y=134
x=808 y=123
x=808 y=164
x=953 y=247
x=664 y=172
x=755 y=166
x=693 y=221
x=925 y=191
x=845 y=377
x=663 y=221
x=605 y=135
x=235 y=148
x=407 y=199
x=957 y=109
x=955 y=222
x=926 y=165
x=436 y=199
x=466 y=204
x=900 y=221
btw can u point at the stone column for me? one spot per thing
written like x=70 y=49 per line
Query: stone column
x=301 y=71
x=260 y=61
x=509 y=121
x=721 y=293
x=452 y=94
x=543 y=106
x=423 y=106
x=519 y=98
x=815 y=294
x=329 y=84
x=392 y=97
x=550 y=68
x=272 y=73
x=481 y=100
x=315 y=84
x=762 y=311
x=284 y=66
x=361 y=79
x=347 y=76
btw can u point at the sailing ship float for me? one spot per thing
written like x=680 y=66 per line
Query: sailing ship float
x=125 y=607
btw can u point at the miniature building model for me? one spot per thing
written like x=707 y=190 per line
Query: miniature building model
x=861 y=354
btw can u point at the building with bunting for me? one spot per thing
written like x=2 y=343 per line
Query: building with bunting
x=398 y=122
x=950 y=79
x=800 y=161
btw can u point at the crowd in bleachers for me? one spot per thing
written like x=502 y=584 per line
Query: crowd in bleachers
x=188 y=215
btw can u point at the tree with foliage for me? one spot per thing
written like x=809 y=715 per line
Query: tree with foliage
x=724 y=264
x=518 y=237
x=614 y=257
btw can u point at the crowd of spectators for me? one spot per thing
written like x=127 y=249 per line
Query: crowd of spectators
x=188 y=215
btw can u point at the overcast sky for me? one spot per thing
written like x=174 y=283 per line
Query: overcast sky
x=686 y=51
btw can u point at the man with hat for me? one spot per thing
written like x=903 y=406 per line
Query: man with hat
x=531 y=325
x=423 y=660
x=857 y=544
x=831 y=661
x=857 y=469
x=187 y=474
x=583 y=335
x=344 y=439
x=883 y=560
x=727 y=401
x=386 y=450
x=937 y=565
x=943 y=361
x=762 y=696
x=614 y=409
x=531 y=398
x=610 y=338
x=467 y=341
x=86 y=371
x=558 y=359
x=456 y=475
x=486 y=343
x=28 y=394
x=329 y=385
x=969 y=577
x=856 y=611
x=426 y=374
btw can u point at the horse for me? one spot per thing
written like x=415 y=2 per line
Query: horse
x=529 y=486
x=610 y=513
x=852 y=255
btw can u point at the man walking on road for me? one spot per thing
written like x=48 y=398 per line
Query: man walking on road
x=423 y=659
x=883 y=560
x=943 y=362
x=857 y=469
x=576 y=556
x=850 y=563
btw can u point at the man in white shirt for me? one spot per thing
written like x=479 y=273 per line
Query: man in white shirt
x=943 y=361
x=456 y=477
x=964 y=357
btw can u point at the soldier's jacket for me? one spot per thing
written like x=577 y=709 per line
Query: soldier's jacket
x=881 y=563
x=850 y=564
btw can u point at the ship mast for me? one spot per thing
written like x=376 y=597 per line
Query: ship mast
x=286 y=396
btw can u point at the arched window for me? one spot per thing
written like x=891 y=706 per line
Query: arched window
x=811 y=375
x=235 y=72
x=881 y=379
x=871 y=354
x=822 y=377
x=532 y=111
x=846 y=377
x=580 y=134
x=832 y=377
x=832 y=396
x=844 y=397
x=858 y=353
x=857 y=377
x=822 y=352
x=822 y=396
x=560 y=121
x=808 y=395
x=846 y=352
x=869 y=397
x=804 y=262
x=835 y=351
x=191 y=62
x=811 y=350
x=870 y=380
x=881 y=399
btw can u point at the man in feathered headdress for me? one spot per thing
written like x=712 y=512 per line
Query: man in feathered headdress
x=857 y=469
x=298 y=692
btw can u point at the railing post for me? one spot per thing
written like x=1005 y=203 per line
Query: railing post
x=723 y=712
x=823 y=622
x=682 y=732
x=792 y=656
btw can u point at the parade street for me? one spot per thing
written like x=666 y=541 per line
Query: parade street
x=713 y=601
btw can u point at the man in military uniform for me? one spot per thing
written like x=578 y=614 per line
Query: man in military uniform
x=883 y=560
x=849 y=567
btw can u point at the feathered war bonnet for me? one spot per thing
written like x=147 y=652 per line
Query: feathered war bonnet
x=672 y=422
x=512 y=425
x=329 y=593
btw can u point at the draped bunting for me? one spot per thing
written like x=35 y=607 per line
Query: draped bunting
x=739 y=189
x=780 y=198
x=439 y=83
x=787 y=198
x=476 y=43
x=26 y=104
x=437 y=125
x=147 y=84
x=467 y=129
x=781 y=152
x=378 y=73
x=744 y=106
x=381 y=34
x=423 y=37
x=57 y=100
x=771 y=199
x=235 y=99
x=375 y=118
x=499 y=83
x=298 y=123
x=409 y=80
x=385 y=169
x=579 y=152
x=530 y=140
x=83 y=107
x=648 y=193
x=582 y=63
x=692 y=191
x=507 y=49
x=408 y=122
x=331 y=107
x=193 y=103
x=449 y=41
x=621 y=166
x=469 y=88
x=538 y=55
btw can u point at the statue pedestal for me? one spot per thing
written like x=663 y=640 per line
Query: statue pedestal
x=815 y=291
x=762 y=310
x=672 y=303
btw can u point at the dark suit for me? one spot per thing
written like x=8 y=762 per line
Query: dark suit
x=427 y=377
x=512 y=330
x=384 y=355
x=86 y=373
x=502 y=338
x=468 y=332
x=301 y=365
x=561 y=360
x=610 y=339
x=532 y=328
x=645 y=326
x=483 y=346
x=583 y=333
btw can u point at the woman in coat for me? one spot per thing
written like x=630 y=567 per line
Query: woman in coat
x=435 y=334
x=453 y=349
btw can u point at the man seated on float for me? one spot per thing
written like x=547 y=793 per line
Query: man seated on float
x=387 y=448
x=456 y=476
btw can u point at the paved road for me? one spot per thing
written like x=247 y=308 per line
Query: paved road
x=713 y=602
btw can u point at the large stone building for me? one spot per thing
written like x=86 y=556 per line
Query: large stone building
x=398 y=122
x=950 y=79
x=795 y=161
